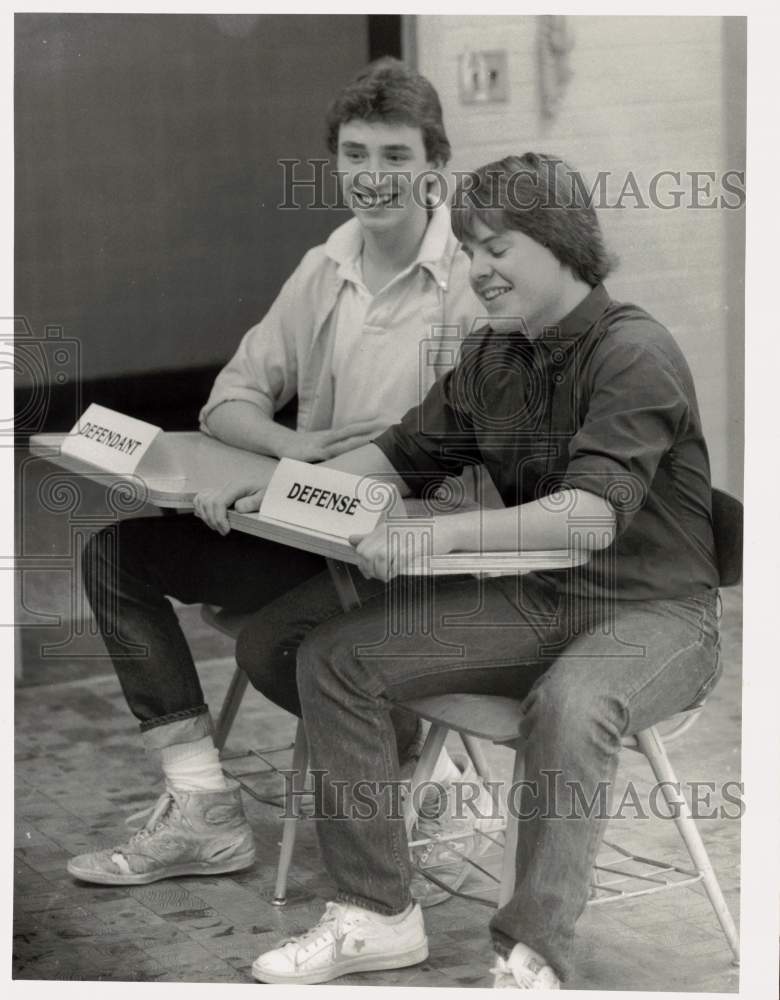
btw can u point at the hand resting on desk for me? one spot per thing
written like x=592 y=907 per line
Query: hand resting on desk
x=321 y=446
x=244 y=425
x=390 y=550
x=211 y=506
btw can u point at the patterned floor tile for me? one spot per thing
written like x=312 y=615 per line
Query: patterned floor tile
x=81 y=771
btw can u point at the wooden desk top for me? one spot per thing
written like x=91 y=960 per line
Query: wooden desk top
x=178 y=465
x=454 y=563
x=181 y=463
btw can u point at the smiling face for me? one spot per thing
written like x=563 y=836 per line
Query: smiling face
x=519 y=281
x=378 y=164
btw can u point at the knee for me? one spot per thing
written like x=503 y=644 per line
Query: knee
x=326 y=666
x=312 y=665
x=262 y=654
x=578 y=714
x=252 y=648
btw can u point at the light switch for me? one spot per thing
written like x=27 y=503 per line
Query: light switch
x=483 y=77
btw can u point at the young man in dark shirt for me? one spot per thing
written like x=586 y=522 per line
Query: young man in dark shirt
x=584 y=413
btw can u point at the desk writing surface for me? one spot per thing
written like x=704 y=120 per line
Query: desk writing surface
x=179 y=464
x=453 y=563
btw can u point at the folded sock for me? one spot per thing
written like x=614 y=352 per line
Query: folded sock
x=193 y=767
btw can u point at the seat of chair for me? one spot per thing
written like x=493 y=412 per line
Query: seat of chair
x=223 y=619
x=496 y=718
x=486 y=716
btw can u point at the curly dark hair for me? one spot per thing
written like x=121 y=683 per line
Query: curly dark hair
x=388 y=91
x=545 y=198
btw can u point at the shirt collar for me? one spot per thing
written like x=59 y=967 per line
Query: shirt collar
x=437 y=249
x=578 y=321
x=438 y=246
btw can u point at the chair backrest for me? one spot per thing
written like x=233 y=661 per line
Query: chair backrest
x=727 y=517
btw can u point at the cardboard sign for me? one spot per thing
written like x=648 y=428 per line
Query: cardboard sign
x=109 y=440
x=335 y=503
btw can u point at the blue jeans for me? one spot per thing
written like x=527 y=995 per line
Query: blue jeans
x=129 y=572
x=589 y=674
x=267 y=647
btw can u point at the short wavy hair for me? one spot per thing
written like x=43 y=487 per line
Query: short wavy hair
x=388 y=91
x=545 y=198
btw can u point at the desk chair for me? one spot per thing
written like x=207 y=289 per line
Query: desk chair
x=229 y=623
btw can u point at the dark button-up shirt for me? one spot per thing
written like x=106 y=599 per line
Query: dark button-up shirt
x=604 y=402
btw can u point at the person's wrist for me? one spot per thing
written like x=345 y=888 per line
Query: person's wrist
x=451 y=534
x=280 y=441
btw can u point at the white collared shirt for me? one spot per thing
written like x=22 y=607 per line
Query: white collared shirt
x=290 y=351
x=380 y=362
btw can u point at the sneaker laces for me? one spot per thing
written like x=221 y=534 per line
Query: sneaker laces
x=158 y=816
x=327 y=925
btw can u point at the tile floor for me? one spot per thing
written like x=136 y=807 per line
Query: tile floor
x=80 y=771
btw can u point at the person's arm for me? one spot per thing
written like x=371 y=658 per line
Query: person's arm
x=569 y=519
x=637 y=406
x=367 y=460
x=563 y=520
x=245 y=425
x=262 y=377
x=246 y=495
x=403 y=456
x=370 y=460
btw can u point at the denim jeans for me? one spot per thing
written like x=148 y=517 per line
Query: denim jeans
x=589 y=674
x=267 y=646
x=130 y=569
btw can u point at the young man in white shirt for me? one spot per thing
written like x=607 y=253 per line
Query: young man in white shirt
x=345 y=336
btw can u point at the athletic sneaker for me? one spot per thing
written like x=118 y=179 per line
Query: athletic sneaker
x=346 y=939
x=187 y=833
x=524 y=969
x=452 y=836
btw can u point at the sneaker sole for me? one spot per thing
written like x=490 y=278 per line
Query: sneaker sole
x=173 y=871
x=375 y=963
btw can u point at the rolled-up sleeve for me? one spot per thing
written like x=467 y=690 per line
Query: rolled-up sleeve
x=264 y=369
x=637 y=407
x=435 y=439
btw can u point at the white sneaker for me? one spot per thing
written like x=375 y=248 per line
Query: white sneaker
x=524 y=969
x=451 y=827
x=346 y=939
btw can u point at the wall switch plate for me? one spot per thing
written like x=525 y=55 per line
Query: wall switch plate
x=483 y=76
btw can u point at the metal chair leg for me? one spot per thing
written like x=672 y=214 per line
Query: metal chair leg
x=508 y=862
x=295 y=784
x=230 y=706
x=477 y=755
x=432 y=747
x=652 y=747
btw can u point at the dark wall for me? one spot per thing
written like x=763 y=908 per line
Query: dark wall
x=146 y=151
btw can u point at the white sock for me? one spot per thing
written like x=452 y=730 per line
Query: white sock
x=193 y=767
